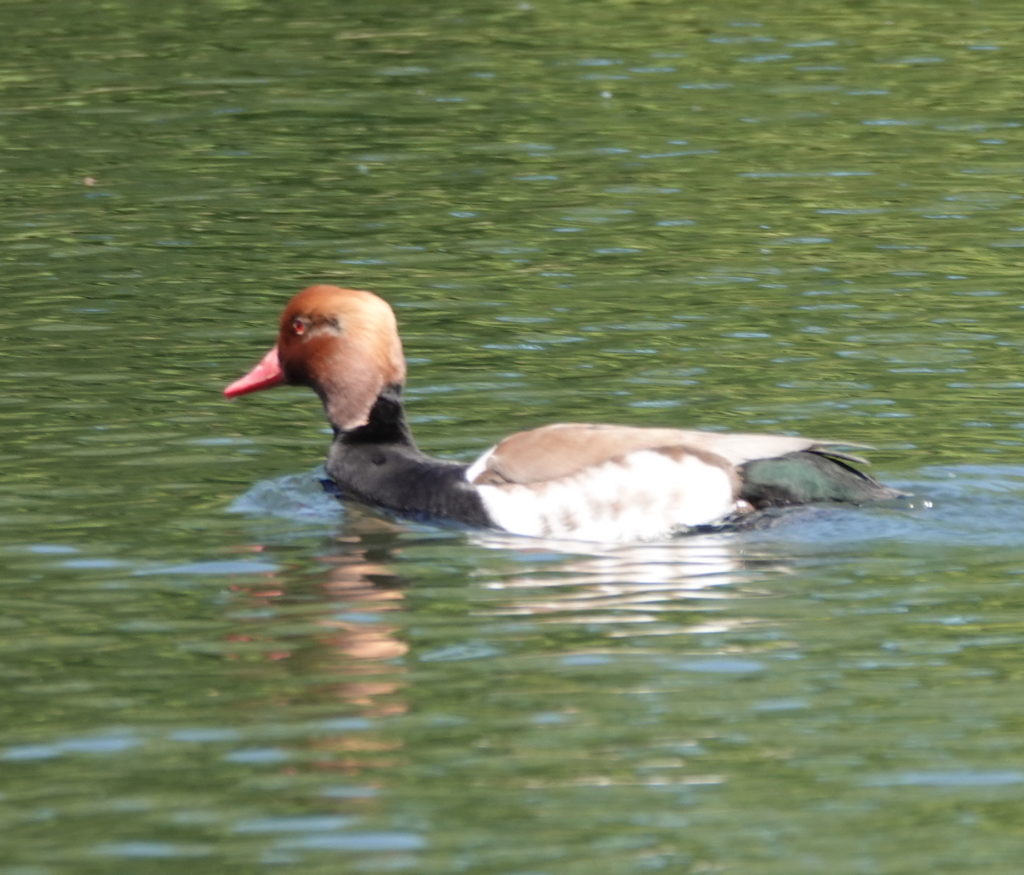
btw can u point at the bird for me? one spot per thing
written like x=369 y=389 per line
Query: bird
x=567 y=480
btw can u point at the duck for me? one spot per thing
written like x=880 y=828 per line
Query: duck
x=566 y=480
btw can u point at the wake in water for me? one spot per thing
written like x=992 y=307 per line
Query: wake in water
x=300 y=497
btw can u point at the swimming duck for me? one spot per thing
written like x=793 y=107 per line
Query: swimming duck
x=567 y=480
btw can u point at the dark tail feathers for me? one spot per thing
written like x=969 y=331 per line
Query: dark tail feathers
x=806 y=478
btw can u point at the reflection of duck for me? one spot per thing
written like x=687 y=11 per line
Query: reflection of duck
x=351 y=644
x=591 y=482
x=634 y=584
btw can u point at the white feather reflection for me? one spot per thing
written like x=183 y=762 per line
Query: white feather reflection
x=627 y=583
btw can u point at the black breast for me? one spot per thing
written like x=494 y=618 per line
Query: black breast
x=402 y=479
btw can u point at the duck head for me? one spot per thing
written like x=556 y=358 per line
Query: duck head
x=342 y=343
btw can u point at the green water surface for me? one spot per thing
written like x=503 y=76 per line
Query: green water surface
x=796 y=217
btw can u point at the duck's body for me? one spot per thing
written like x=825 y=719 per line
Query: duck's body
x=570 y=480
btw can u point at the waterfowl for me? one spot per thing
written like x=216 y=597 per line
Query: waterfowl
x=567 y=480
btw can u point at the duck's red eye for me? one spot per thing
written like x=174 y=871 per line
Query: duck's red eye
x=298 y=326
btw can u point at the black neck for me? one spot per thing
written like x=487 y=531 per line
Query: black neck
x=386 y=423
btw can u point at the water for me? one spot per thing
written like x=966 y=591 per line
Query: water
x=799 y=219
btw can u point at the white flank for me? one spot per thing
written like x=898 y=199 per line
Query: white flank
x=642 y=496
